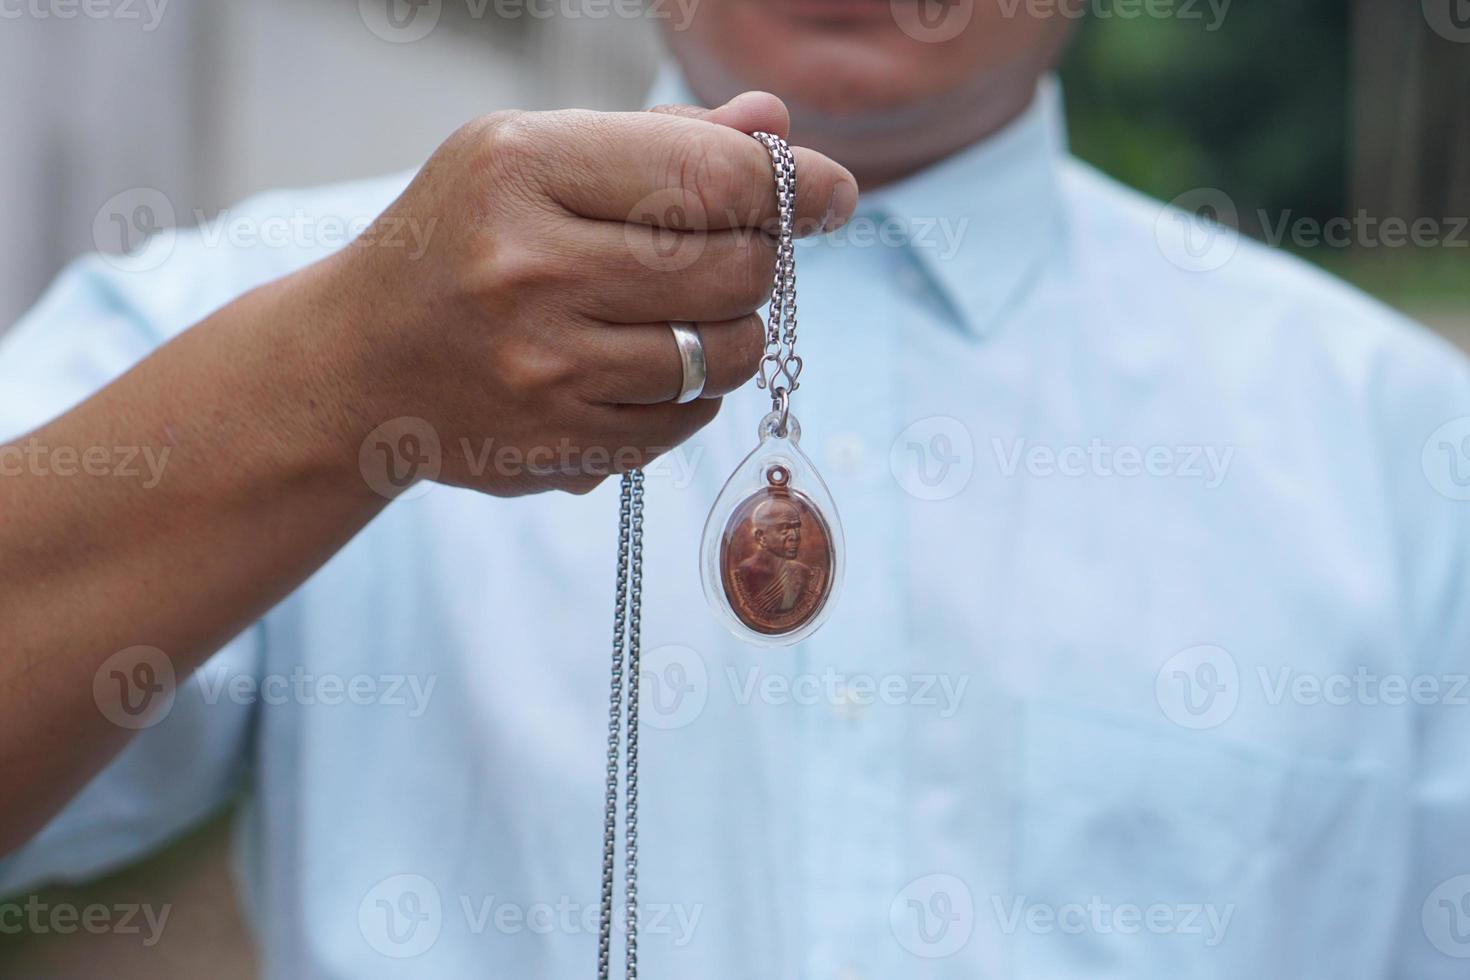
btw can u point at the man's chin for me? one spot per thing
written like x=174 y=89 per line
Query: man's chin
x=835 y=74
x=844 y=65
x=836 y=14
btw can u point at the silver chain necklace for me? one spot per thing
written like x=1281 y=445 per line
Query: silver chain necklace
x=781 y=367
x=789 y=488
x=627 y=640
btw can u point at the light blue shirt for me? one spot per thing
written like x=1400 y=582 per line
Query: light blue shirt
x=1150 y=659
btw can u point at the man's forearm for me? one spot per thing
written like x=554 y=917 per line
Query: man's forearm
x=254 y=484
x=536 y=313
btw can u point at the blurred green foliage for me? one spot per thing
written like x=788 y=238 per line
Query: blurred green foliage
x=1254 y=101
x=1257 y=102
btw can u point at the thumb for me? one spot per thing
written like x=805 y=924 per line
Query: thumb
x=749 y=112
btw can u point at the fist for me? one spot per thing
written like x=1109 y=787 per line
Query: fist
x=535 y=324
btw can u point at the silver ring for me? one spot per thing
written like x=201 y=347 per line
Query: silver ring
x=691 y=356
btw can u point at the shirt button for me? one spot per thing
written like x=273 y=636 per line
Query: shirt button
x=846 y=454
x=848 y=706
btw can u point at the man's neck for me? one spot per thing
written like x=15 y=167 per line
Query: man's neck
x=885 y=147
x=882 y=150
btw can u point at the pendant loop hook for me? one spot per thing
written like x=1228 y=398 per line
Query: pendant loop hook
x=781 y=402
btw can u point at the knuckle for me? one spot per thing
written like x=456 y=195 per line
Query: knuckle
x=710 y=178
x=474 y=132
x=491 y=122
x=531 y=371
x=677 y=109
x=508 y=139
x=515 y=269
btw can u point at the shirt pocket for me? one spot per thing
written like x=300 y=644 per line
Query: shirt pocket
x=1144 y=850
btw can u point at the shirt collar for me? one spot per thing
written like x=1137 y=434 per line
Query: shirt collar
x=978 y=224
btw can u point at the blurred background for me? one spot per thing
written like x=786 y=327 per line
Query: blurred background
x=1336 y=129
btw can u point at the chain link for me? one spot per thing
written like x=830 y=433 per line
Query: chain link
x=780 y=370
x=781 y=366
x=626 y=655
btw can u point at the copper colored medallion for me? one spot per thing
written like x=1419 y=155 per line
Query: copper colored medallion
x=776 y=558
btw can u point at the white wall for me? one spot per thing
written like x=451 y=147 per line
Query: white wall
x=217 y=99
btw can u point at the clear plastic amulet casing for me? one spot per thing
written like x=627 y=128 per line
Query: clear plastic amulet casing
x=772 y=555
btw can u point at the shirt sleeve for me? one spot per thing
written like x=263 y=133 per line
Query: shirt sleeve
x=1431 y=480
x=101 y=316
x=90 y=327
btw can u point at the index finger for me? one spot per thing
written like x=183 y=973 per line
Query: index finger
x=687 y=174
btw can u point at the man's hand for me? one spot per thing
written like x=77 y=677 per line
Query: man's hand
x=562 y=244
